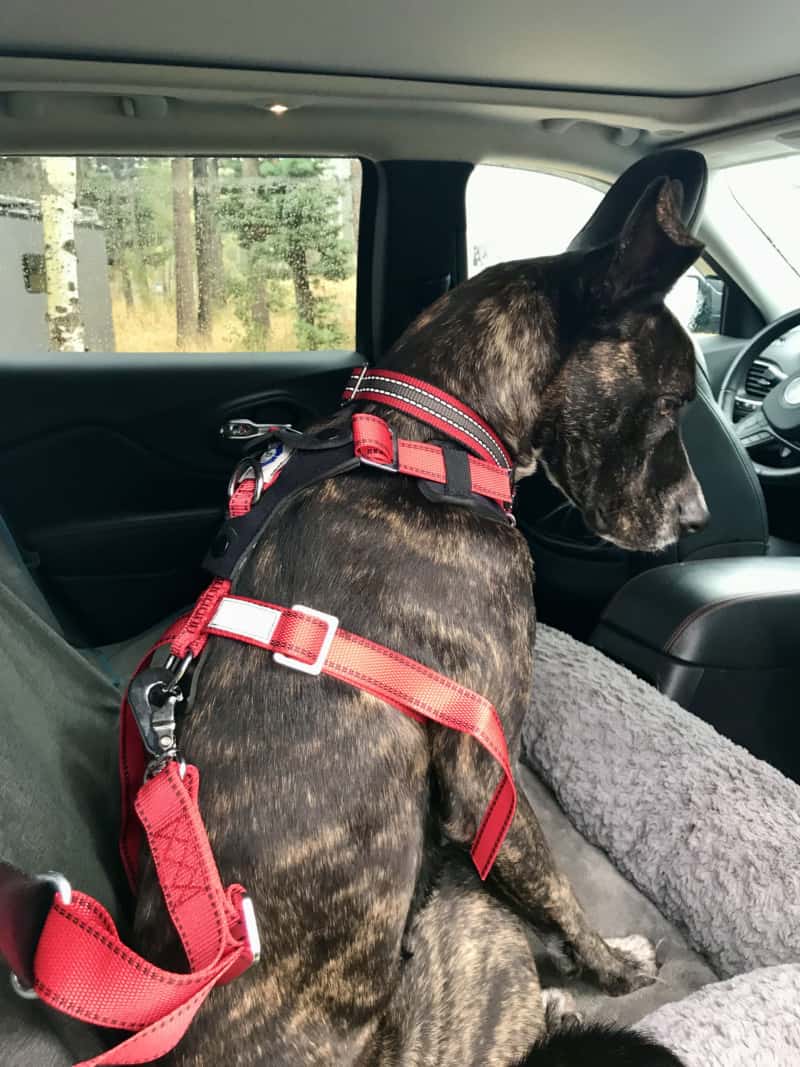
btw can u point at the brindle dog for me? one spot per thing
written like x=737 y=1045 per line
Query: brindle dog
x=349 y=823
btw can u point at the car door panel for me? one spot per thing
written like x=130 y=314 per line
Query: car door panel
x=113 y=470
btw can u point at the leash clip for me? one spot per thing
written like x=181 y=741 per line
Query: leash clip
x=247 y=430
x=152 y=697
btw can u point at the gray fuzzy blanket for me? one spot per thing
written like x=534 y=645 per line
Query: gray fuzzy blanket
x=749 y=1021
x=708 y=833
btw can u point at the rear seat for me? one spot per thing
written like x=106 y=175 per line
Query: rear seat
x=117 y=661
x=58 y=781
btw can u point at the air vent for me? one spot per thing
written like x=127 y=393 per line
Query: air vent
x=761 y=378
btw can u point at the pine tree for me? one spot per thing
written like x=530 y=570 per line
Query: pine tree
x=206 y=241
x=185 y=307
x=286 y=214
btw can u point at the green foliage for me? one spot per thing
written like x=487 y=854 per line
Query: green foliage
x=286 y=213
x=276 y=221
x=20 y=176
x=132 y=197
x=325 y=331
x=255 y=299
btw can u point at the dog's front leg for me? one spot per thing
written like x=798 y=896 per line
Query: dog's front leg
x=525 y=874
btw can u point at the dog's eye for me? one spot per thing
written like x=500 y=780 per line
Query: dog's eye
x=669 y=405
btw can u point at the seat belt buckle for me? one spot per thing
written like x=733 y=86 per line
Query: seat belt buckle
x=315 y=668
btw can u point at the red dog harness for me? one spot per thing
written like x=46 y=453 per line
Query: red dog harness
x=81 y=966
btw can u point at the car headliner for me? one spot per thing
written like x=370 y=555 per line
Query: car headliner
x=636 y=45
x=573 y=84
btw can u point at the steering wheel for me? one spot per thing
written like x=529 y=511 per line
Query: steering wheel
x=778 y=417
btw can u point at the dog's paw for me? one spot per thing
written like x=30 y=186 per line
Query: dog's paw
x=560 y=1010
x=639 y=966
x=561 y=955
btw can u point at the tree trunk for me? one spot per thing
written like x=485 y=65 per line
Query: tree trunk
x=217 y=264
x=127 y=286
x=250 y=174
x=303 y=297
x=185 y=311
x=59 y=187
x=355 y=188
x=260 y=313
x=204 y=232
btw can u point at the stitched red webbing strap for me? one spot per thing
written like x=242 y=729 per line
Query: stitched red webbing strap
x=374 y=441
x=430 y=405
x=311 y=641
x=84 y=969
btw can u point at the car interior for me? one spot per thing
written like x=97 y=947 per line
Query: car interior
x=448 y=138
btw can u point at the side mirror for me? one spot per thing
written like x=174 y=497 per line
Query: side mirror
x=696 y=299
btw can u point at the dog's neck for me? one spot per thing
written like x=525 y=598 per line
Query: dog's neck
x=494 y=349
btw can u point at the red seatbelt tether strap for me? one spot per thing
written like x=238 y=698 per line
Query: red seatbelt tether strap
x=83 y=968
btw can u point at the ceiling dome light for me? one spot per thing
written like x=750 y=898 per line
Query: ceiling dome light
x=279 y=109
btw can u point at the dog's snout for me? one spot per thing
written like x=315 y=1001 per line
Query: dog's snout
x=693 y=514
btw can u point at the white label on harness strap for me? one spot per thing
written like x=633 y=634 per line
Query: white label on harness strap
x=241 y=617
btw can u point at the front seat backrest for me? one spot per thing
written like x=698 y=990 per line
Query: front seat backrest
x=688 y=167
x=738 y=524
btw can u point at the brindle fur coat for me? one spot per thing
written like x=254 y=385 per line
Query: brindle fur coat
x=349 y=823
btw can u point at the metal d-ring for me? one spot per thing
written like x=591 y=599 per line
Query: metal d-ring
x=61 y=886
x=241 y=471
x=178 y=668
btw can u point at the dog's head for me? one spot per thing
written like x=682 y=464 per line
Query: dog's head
x=575 y=361
x=608 y=433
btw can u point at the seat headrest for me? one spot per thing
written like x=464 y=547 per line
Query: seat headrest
x=609 y=218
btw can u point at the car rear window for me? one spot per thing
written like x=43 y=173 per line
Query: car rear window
x=154 y=254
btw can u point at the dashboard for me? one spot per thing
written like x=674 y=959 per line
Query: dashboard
x=775 y=363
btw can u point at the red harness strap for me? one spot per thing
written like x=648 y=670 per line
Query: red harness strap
x=430 y=405
x=376 y=444
x=81 y=966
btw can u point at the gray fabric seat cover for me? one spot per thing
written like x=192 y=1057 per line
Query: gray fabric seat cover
x=58 y=798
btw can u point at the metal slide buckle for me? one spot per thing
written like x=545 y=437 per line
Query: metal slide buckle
x=314 y=668
x=359 y=380
x=251 y=927
x=394 y=466
x=60 y=885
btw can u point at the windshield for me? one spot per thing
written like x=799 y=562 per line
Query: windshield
x=769 y=192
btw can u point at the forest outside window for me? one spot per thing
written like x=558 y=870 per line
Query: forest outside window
x=152 y=254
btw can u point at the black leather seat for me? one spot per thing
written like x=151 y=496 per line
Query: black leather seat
x=576 y=572
x=720 y=638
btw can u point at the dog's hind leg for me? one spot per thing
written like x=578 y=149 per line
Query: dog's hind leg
x=469 y=992
x=525 y=875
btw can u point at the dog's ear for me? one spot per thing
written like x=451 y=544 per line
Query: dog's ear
x=653 y=249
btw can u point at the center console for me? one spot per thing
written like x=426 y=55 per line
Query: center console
x=722 y=638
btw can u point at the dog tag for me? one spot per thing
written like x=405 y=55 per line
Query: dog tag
x=152 y=697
